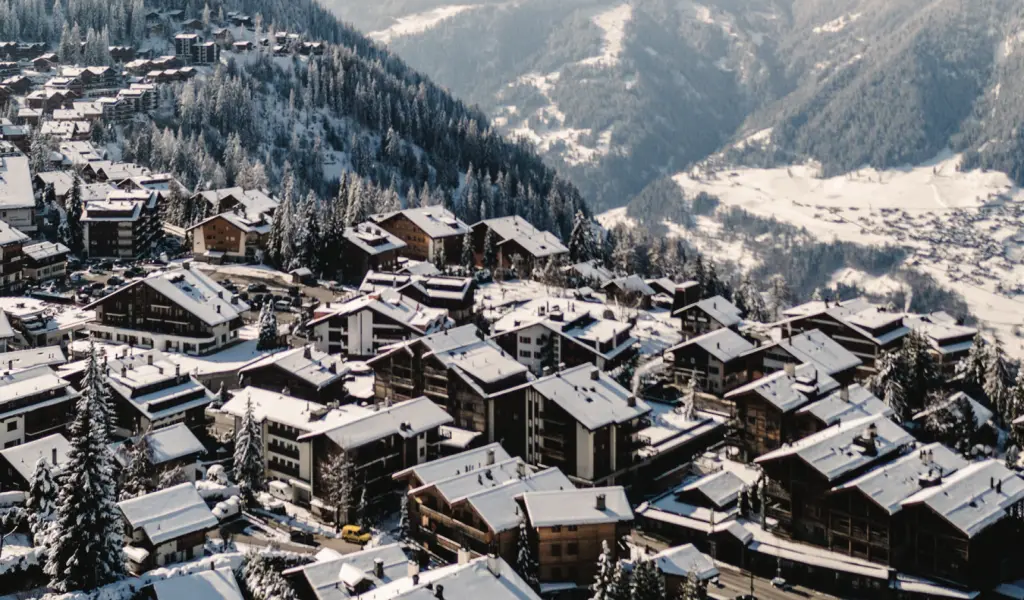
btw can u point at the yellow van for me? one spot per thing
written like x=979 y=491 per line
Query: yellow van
x=355 y=534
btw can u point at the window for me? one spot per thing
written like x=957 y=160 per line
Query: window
x=525 y=340
x=556 y=529
x=423 y=452
x=12 y=425
x=574 y=527
x=524 y=354
x=572 y=548
x=556 y=550
x=12 y=443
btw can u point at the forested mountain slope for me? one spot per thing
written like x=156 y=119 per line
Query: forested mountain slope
x=621 y=93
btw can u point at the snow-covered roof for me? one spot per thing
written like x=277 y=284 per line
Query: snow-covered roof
x=630 y=283
x=498 y=507
x=591 y=270
x=218 y=584
x=10 y=235
x=940 y=329
x=591 y=396
x=23 y=457
x=982 y=414
x=435 y=221
x=890 y=484
x=50 y=356
x=845 y=447
x=483 y=361
x=15 y=183
x=255 y=201
x=336 y=578
x=26 y=383
x=722 y=488
x=372 y=239
x=718 y=308
x=393 y=305
x=724 y=344
x=244 y=223
x=975 y=497
x=6 y=331
x=406 y=419
x=193 y=291
x=835 y=309
x=671 y=428
x=44 y=250
x=789 y=392
x=852 y=402
x=168 y=514
x=538 y=243
x=815 y=347
x=680 y=561
x=493 y=579
x=313 y=366
x=457 y=464
x=154 y=385
x=306 y=416
x=455 y=437
x=62 y=181
x=578 y=506
x=169 y=443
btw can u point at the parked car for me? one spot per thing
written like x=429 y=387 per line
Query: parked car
x=257 y=287
x=115 y=280
x=302 y=537
x=355 y=534
x=283 y=305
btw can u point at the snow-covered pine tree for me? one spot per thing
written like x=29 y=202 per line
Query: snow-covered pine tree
x=468 y=255
x=138 y=474
x=647 y=582
x=971 y=368
x=336 y=486
x=403 y=518
x=490 y=251
x=87 y=538
x=582 y=246
x=688 y=403
x=41 y=502
x=780 y=296
x=1012 y=457
x=248 y=471
x=621 y=582
x=603 y=586
x=267 y=339
x=440 y=257
x=526 y=560
x=921 y=371
x=887 y=384
x=262 y=580
x=363 y=509
x=71 y=227
x=997 y=378
x=691 y=589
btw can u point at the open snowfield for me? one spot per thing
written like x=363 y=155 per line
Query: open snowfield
x=613 y=23
x=419 y=22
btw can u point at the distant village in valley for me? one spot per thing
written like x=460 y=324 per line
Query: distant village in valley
x=222 y=392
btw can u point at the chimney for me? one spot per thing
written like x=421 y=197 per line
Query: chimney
x=844 y=394
x=631 y=401
x=595 y=374
x=494 y=565
x=177 y=370
x=521 y=470
x=490 y=457
x=378 y=568
x=124 y=371
x=149 y=359
x=218 y=308
x=999 y=486
x=53 y=456
x=601 y=502
x=464 y=556
x=439 y=592
x=306 y=354
x=333 y=368
x=413 y=570
x=415 y=576
x=790 y=369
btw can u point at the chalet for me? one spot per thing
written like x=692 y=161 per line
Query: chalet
x=850 y=402
x=69 y=86
x=630 y=290
x=455 y=294
x=121 y=54
x=673 y=436
x=677 y=565
x=862 y=328
x=242 y=46
x=181 y=310
x=18 y=463
x=44 y=261
x=589 y=273
x=17 y=360
x=467 y=502
x=812 y=347
x=801 y=474
x=125 y=225
x=461 y=372
x=584 y=422
x=215 y=584
x=161 y=183
x=305 y=373
x=714 y=360
x=38 y=323
x=369 y=248
x=664 y=292
x=378 y=444
x=363 y=325
x=12 y=242
x=17 y=202
x=229 y=237
x=170 y=448
x=571 y=527
x=338 y=577
x=223 y=37
x=35 y=403
x=165 y=527
x=708 y=315
x=515 y=236
x=18 y=135
x=139 y=66
x=424 y=230
x=9 y=68
x=950 y=342
x=251 y=202
x=18 y=84
x=148 y=392
x=546 y=332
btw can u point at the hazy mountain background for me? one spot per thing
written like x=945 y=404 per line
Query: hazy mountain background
x=617 y=94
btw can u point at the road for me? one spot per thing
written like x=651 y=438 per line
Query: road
x=733 y=582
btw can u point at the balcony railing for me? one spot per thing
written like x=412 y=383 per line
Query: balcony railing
x=450 y=523
x=283 y=450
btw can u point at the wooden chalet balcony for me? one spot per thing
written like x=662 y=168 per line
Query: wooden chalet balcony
x=452 y=524
x=777 y=491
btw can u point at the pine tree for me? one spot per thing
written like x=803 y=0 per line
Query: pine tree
x=363 y=509
x=71 y=227
x=688 y=402
x=403 y=518
x=1012 y=457
x=647 y=583
x=248 y=470
x=780 y=296
x=621 y=582
x=691 y=589
x=268 y=339
x=468 y=256
x=887 y=384
x=951 y=422
x=41 y=502
x=261 y=578
x=603 y=586
x=1014 y=405
x=526 y=560
x=138 y=475
x=87 y=539
x=997 y=378
x=971 y=369
x=440 y=256
x=336 y=486
x=490 y=251
x=582 y=246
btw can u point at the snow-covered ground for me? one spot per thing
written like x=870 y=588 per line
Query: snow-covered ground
x=614 y=217
x=419 y=22
x=963 y=228
x=837 y=25
x=613 y=23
